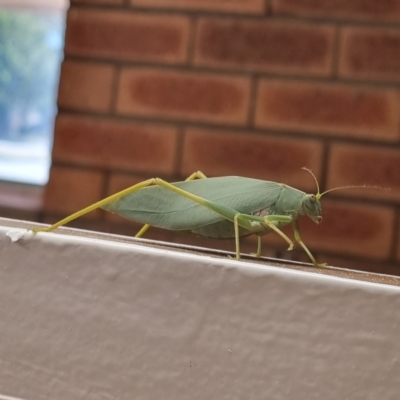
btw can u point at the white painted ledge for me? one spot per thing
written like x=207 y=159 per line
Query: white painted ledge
x=86 y=316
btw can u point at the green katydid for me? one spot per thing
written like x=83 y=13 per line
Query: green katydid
x=220 y=208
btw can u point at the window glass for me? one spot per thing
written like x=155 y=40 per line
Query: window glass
x=31 y=50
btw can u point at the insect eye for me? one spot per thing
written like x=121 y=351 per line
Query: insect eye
x=312 y=197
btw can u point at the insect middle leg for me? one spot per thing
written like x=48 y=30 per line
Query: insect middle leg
x=259 y=247
x=195 y=175
x=256 y=224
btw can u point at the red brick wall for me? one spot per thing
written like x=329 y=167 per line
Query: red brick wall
x=254 y=88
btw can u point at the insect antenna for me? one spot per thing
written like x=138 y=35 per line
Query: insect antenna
x=354 y=187
x=319 y=195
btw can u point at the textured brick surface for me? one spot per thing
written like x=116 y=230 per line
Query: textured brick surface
x=219 y=153
x=85 y=86
x=188 y=96
x=126 y=36
x=113 y=144
x=357 y=9
x=265 y=46
x=256 y=88
x=118 y=182
x=232 y=6
x=329 y=109
x=370 y=54
x=359 y=165
x=70 y=190
x=348 y=228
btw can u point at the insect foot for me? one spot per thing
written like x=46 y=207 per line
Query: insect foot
x=291 y=247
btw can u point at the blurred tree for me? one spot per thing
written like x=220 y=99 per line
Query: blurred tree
x=30 y=51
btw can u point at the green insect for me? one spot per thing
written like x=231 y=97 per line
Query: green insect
x=220 y=208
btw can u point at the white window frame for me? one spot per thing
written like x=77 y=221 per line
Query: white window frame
x=35 y=4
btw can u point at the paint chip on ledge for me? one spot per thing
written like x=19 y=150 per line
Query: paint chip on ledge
x=16 y=234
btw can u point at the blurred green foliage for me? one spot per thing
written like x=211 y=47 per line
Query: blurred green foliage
x=30 y=52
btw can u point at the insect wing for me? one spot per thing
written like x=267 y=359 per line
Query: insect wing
x=159 y=206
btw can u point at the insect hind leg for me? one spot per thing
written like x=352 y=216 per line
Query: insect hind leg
x=116 y=196
x=192 y=177
x=98 y=204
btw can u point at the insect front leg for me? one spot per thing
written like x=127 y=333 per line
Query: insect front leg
x=300 y=242
x=195 y=175
x=271 y=220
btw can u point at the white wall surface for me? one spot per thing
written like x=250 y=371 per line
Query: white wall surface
x=87 y=318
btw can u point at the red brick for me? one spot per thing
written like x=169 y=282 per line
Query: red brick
x=370 y=54
x=85 y=86
x=353 y=229
x=355 y=9
x=359 y=165
x=126 y=36
x=329 y=109
x=108 y=143
x=182 y=95
x=70 y=190
x=220 y=153
x=230 y=6
x=118 y=182
x=265 y=46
